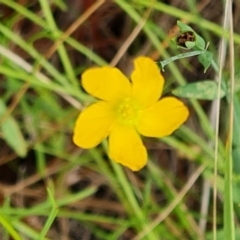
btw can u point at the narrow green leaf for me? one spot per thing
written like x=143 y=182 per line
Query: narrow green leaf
x=53 y=213
x=204 y=90
x=179 y=56
x=11 y=133
x=61 y=4
x=205 y=59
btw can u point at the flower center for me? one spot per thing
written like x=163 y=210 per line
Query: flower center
x=127 y=111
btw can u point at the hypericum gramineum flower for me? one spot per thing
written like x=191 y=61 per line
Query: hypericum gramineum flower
x=125 y=110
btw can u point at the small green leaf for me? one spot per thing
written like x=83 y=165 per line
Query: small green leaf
x=11 y=133
x=200 y=42
x=189 y=44
x=205 y=59
x=204 y=90
x=183 y=27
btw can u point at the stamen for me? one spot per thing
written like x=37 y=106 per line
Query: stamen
x=128 y=111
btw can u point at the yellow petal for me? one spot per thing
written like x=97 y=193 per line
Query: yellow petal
x=163 y=118
x=106 y=83
x=93 y=125
x=126 y=147
x=147 y=81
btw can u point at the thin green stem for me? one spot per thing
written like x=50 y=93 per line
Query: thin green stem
x=179 y=56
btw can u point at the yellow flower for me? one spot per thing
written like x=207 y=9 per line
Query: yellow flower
x=125 y=110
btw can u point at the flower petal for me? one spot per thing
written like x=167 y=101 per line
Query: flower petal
x=163 y=118
x=93 y=125
x=126 y=147
x=147 y=81
x=106 y=83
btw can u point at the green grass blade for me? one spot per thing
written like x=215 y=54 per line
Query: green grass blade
x=52 y=215
x=61 y=49
x=6 y=224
